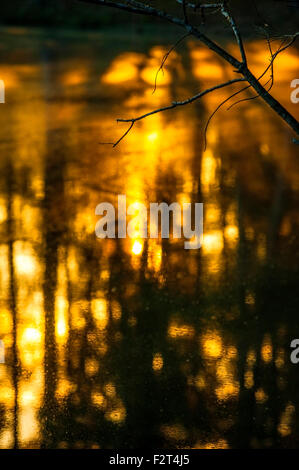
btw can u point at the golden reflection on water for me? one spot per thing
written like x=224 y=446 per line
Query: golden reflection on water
x=94 y=329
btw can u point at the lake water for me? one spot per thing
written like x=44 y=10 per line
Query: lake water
x=140 y=343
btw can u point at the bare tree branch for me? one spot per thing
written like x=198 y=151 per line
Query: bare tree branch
x=185 y=12
x=228 y=16
x=175 y=104
x=134 y=6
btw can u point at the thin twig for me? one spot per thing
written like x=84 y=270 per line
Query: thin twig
x=124 y=135
x=215 y=111
x=251 y=98
x=227 y=14
x=134 y=6
x=194 y=6
x=166 y=57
